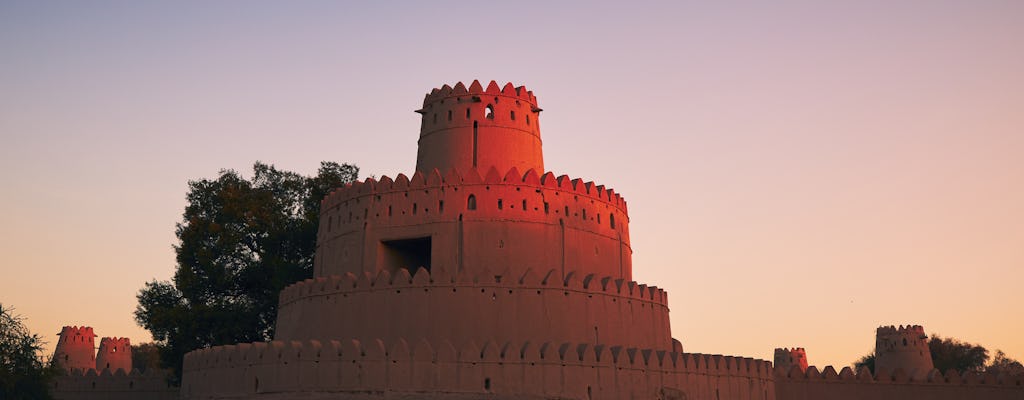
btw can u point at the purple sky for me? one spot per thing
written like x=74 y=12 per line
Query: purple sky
x=798 y=173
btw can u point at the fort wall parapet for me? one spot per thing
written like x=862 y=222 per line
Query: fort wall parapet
x=113 y=385
x=477 y=306
x=319 y=369
x=898 y=384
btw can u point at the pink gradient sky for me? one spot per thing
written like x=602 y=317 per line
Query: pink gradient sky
x=798 y=173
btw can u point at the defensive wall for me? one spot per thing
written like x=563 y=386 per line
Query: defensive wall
x=355 y=369
x=464 y=220
x=477 y=306
x=898 y=384
x=118 y=385
x=476 y=127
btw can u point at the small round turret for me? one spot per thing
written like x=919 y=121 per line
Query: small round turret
x=903 y=347
x=114 y=354
x=786 y=358
x=480 y=128
x=75 y=348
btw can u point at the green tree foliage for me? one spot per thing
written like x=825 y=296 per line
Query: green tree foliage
x=952 y=354
x=240 y=242
x=23 y=374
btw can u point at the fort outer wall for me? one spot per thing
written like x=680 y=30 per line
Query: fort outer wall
x=486 y=306
x=894 y=385
x=513 y=221
x=118 y=385
x=352 y=369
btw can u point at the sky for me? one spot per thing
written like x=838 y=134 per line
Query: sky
x=798 y=172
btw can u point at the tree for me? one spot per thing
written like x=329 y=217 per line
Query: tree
x=1003 y=364
x=23 y=374
x=145 y=356
x=240 y=242
x=952 y=354
x=867 y=361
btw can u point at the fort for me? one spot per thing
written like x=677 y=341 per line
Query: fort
x=483 y=276
x=105 y=374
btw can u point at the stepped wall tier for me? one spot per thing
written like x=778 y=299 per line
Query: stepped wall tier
x=467 y=307
x=353 y=369
x=465 y=220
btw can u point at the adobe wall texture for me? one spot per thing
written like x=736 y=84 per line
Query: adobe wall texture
x=511 y=221
x=352 y=369
x=109 y=385
x=479 y=128
x=498 y=306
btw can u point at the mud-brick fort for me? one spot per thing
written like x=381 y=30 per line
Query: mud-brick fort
x=483 y=276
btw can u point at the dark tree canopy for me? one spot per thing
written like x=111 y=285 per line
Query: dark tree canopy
x=145 y=356
x=952 y=354
x=867 y=361
x=23 y=374
x=240 y=242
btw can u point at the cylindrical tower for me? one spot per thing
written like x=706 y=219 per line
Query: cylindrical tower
x=76 y=348
x=114 y=354
x=787 y=358
x=477 y=128
x=903 y=347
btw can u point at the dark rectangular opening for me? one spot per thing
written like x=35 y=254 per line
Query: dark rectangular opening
x=405 y=253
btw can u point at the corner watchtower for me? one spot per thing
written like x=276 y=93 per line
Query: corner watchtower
x=115 y=353
x=787 y=358
x=471 y=127
x=902 y=347
x=76 y=348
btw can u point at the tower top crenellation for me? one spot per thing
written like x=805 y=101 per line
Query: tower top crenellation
x=476 y=89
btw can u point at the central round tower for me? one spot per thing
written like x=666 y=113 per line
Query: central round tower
x=477 y=128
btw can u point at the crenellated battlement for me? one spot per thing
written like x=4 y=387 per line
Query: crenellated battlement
x=524 y=370
x=472 y=177
x=446 y=92
x=422 y=279
x=792 y=383
x=77 y=334
x=904 y=330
